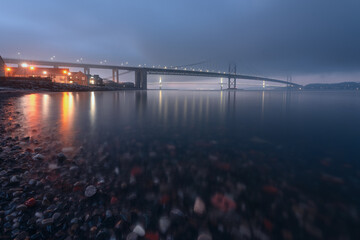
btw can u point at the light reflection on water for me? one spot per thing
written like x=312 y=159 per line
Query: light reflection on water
x=303 y=120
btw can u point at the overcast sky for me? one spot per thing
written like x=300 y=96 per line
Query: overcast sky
x=313 y=40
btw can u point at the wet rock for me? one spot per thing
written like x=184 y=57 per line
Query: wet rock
x=270 y=189
x=39 y=215
x=60 y=158
x=38 y=157
x=32 y=182
x=21 y=207
x=204 y=236
x=74 y=169
x=22 y=235
x=114 y=200
x=15 y=179
x=30 y=202
x=199 y=206
x=102 y=235
x=132 y=236
x=164 y=224
x=139 y=230
x=332 y=179
x=152 y=236
x=56 y=215
x=223 y=202
x=90 y=191
x=47 y=221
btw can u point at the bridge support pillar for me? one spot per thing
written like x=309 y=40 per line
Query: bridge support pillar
x=231 y=83
x=87 y=71
x=232 y=80
x=141 y=79
x=115 y=75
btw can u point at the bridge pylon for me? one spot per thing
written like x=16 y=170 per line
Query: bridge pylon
x=232 y=80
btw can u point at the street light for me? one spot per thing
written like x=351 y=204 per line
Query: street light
x=24 y=65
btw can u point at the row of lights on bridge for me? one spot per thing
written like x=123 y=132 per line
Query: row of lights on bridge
x=32 y=68
x=126 y=63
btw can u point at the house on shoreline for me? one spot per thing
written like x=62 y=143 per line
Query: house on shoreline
x=2 y=67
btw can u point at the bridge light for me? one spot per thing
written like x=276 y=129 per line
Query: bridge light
x=44 y=72
x=65 y=72
x=71 y=81
x=24 y=65
x=32 y=68
x=8 y=69
x=69 y=73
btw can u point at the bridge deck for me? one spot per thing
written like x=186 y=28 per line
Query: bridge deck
x=160 y=71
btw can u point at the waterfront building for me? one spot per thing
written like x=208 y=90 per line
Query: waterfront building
x=95 y=80
x=2 y=67
x=79 y=78
x=59 y=75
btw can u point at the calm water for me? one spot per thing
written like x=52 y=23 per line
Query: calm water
x=321 y=124
x=295 y=154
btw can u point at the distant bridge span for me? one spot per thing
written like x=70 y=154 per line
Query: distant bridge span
x=142 y=72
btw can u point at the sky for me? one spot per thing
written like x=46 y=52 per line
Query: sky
x=311 y=40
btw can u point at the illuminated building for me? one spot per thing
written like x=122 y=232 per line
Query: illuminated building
x=59 y=75
x=2 y=67
x=78 y=78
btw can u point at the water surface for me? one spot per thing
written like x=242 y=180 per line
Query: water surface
x=290 y=158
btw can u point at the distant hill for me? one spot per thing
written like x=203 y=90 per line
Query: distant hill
x=333 y=86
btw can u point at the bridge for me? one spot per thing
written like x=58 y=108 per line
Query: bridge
x=142 y=72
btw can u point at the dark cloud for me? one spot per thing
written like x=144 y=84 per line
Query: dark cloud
x=275 y=37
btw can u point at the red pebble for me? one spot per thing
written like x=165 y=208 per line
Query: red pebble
x=268 y=225
x=136 y=171
x=165 y=199
x=223 y=203
x=223 y=166
x=30 y=202
x=114 y=200
x=152 y=236
x=270 y=189
x=77 y=188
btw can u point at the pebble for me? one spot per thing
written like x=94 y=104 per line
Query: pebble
x=139 y=230
x=47 y=221
x=14 y=179
x=132 y=236
x=102 y=235
x=199 y=206
x=30 y=202
x=60 y=158
x=21 y=207
x=164 y=224
x=39 y=157
x=90 y=191
x=204 y=236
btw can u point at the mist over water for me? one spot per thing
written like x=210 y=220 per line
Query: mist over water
x=324 y=123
